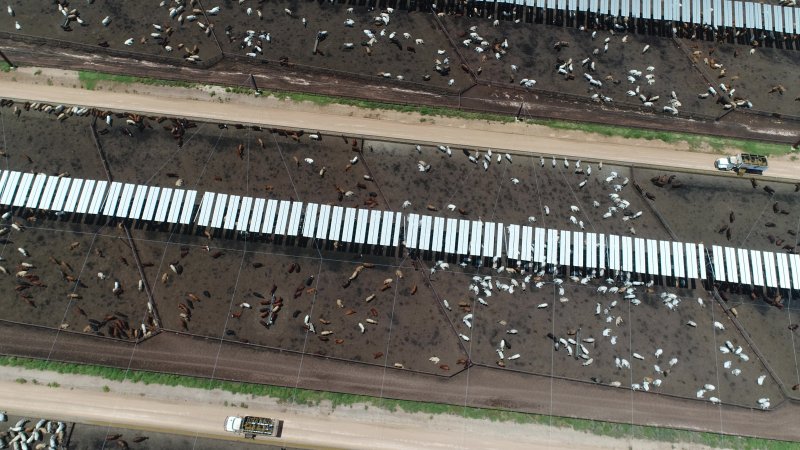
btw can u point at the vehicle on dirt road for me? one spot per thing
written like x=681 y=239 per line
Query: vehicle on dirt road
x=252 y=426
x=742 y=163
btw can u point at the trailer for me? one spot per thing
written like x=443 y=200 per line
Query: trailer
x=251 y=426
x=742 y=163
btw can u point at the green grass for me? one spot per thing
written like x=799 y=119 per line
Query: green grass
x=90 y=79
x=5 y=67
x=312 y=398
x=324 y=100
x=695 y=141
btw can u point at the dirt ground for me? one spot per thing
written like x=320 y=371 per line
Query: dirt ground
x=760 y=221
x=79 y=436
x=43 y=19
x=224 y=290
x=291 y=38
x=682 y=66
x=89 y=437
x=774 y=336
x=534 y=56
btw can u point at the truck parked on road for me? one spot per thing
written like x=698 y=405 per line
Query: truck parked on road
x=252 y=426
x=742 y=163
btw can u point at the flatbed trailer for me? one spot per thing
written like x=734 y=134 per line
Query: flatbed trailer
x=743 y=163
x=252 y=426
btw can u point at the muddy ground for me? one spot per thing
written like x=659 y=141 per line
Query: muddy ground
x=773 y=334
x=399 y=56
x=43 y=19
x=687 y=67
x=683 y=66
x=760 y=220
x=220 y=277
x=79 y=436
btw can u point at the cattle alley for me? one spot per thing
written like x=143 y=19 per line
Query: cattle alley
x=380 y=168
x=593 y=147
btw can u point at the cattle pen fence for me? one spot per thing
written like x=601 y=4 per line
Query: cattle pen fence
x=197 y=371
x=135 y=57
x=403 y=95
x=151 y=304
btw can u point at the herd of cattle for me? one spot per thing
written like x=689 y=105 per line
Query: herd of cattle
x=26 y=434
x=612 y=200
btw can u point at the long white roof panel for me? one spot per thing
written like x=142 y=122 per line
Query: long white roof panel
x=61 y=194
x=336 y=224
x=271 y=216
x=513 y=242
x=476 y=238
x=294 y=219
x=463 y=237
x=36 y=191
x=10 y=187
x=110 y=206
x=412 y=231
x=243 y=220
x=758 y=268
x=188 y=208
x=231 y=212
x=613 y=252
x=488 y=240
x=284 y=207
x=539 y=245
x=564 y=248
x=386 y=228
x=438 y=234
x=175 y=208
x=257 y=219
x=49 y=192
x=691 y=261
x=577 y=249
x=349 y=225
x=125 y=200
x=375 y=227
x=100 y=192
x=398 y=224
x=652 y=257
x=74 y=194
x=85 y=197
x=591 y=250
x=220 y=203
x=310 y=220
x=527 y=244
x=163 y=205
x=744 y=266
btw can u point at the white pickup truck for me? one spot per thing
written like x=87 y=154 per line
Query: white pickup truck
x=742 y=163
x=252 y=426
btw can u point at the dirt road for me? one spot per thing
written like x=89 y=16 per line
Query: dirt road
x=481 y=387
x=338 y=121
x=202 y=413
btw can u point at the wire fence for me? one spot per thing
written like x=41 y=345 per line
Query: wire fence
x=196 y=371
x=96 y=49
x=447 y=97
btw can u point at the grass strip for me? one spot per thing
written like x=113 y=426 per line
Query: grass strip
x=89 y=80
x=312 y=398
x=695 y=141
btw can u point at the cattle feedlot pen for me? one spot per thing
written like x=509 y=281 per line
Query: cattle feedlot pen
x=563 y=248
